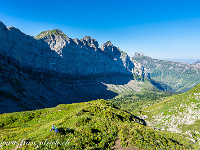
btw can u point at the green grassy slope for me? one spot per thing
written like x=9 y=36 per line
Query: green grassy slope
x=178 y=113
x=91 y=125
x=134 y=102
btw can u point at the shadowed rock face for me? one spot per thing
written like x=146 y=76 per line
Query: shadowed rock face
x=22 y=89
x=88 y=41
x=53 y=68
x=29 y=52
x=53 y=50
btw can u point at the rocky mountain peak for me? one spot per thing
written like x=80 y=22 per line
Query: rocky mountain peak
x=3 y=29
x=55 y=32
x=108 y=43
x=109 y=48
x=56 y=39
x=106 y=46
x=139 y=54
x=14 y=30
x=2 y=25
x=87 y=40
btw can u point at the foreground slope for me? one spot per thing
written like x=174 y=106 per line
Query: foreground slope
x=178 y=113
x=91 y=125
x=176 y=76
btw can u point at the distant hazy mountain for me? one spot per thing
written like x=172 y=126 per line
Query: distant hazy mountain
x=179 y=76
x=188 y=61
x=197 y=64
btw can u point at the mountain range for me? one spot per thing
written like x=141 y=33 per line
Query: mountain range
x=54 y=51
x=52 y=68
x=176 y=76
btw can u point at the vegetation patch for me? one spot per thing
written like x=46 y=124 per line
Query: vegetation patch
x=178 y=113
x=91 y=125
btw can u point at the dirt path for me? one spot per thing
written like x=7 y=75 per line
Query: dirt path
x=118 y=146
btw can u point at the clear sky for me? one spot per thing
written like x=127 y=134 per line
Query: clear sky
x=158 y=28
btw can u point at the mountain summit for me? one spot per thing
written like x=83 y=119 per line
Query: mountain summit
x=50 y=32
x=87 y=40
x=139 y=54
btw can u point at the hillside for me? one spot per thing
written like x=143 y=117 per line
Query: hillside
x=176 y=76
x=135 y=102
x=178 y=113
x=91 y=125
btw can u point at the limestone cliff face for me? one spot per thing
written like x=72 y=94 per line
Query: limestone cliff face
x=52 y=68
x=29 y=52
x=85 y=57
x=116 y=54
x=52 y=50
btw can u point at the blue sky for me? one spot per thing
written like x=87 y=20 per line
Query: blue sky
x=158 y=28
